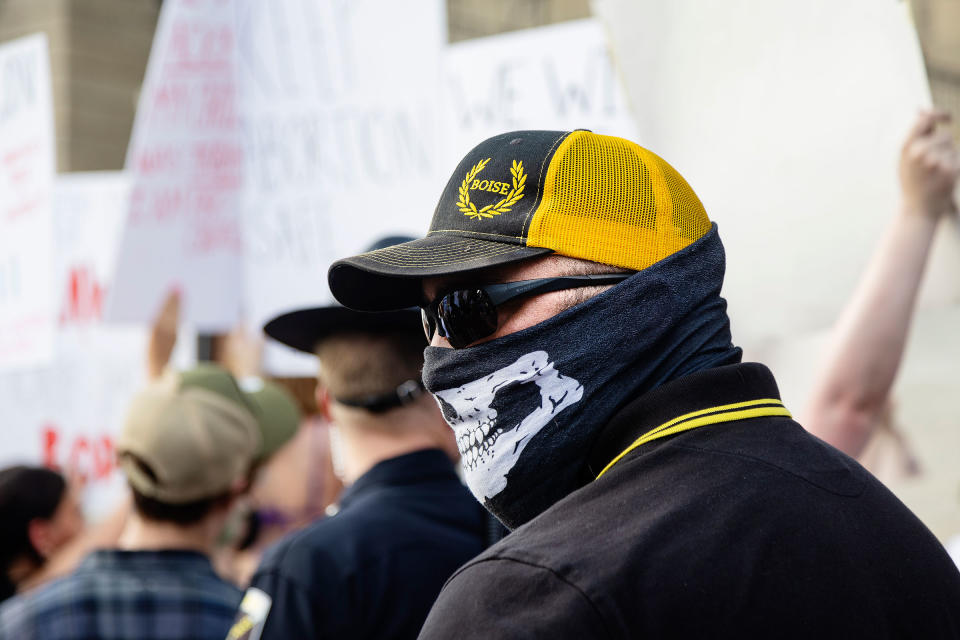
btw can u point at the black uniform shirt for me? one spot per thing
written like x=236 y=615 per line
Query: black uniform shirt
x=374 y=569
x=747 y=527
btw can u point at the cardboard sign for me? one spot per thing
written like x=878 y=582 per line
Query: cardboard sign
x=340 y=127
x=556 y=77
x=27 y=165
x=186 y=160
x=787 y=121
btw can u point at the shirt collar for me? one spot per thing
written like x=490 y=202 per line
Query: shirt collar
x=410 y=468
x=165 y=559
x=701 y=391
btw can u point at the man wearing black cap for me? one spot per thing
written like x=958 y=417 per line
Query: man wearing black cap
x=657 y=486
x=405 y=522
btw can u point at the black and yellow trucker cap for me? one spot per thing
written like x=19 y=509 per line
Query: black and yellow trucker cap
x=524 y=194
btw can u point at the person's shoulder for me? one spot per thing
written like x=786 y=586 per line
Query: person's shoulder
x=511 y=591
x=218 y=590
x=336 y=541
x=16 y=617
x=299 y=577
x=46 y=602
x=319 y=534
x=306 y=552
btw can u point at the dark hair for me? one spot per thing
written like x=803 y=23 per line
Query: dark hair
x=26 y=493
x=185 y=513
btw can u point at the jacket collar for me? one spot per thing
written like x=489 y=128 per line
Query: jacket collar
x=411 y=468
x=706 y=392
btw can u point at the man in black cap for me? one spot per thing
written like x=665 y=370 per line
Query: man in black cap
x=657 y=486
x=405 y=522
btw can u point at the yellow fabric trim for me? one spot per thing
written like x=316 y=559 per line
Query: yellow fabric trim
x=689 y=421
x=611 y=201
x=724 y=407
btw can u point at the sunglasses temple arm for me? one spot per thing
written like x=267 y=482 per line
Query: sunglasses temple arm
x=503 y=292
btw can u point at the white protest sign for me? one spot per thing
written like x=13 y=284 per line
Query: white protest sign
x=66 y=414
x=186 y=158
x=787 y=119
x=339 y=101
x=27 y=165
x=555 y=77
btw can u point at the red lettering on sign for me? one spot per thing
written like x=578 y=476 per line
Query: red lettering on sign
x=79 y=450
x=84 y=297
x=156 y=160
x=89 y=458
x=50 y=438
x=104 y=460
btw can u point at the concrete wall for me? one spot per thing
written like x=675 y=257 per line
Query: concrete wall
x=98 y=52
x=477 y=18
x=938 y=24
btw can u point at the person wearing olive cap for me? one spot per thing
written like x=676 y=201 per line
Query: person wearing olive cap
x=255 y=522
x=186 y=449
x=405 y=521
x=656 y=486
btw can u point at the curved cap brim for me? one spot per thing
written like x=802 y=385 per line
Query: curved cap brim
x=304 y=328
x=391 y=278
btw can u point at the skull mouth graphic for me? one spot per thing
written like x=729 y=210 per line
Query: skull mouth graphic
x=476 y=445
x=495 y=417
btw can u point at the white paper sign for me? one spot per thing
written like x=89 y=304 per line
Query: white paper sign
x=787 y=119
x=66 y=414
x=27 y=165
x=556 y=77
x=340 y=120
x=186 y=158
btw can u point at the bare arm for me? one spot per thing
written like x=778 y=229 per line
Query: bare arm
x=163 y=336
x=868 y=342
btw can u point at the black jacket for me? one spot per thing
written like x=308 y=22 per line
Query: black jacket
x=374 y=569
x=745 y=527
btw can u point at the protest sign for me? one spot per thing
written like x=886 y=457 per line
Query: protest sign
x=555 y=77
x=27 y=165
x=787 y=122
x=340 y=129
x=67 y=413
x=186 y=161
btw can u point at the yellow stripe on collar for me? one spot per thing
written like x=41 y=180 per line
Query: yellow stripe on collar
x=704 y=417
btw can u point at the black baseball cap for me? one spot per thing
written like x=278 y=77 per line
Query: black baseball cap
x=302 y=329
x=523 y=194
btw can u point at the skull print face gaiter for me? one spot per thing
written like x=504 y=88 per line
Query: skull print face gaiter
x=527 y=406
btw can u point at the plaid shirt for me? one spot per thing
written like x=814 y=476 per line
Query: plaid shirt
x=127 y=595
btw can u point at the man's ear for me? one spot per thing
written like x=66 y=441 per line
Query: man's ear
x=38 y=532
x=323 y=402
x=243 y=484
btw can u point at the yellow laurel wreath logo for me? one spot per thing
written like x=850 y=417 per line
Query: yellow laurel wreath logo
x=503 y=206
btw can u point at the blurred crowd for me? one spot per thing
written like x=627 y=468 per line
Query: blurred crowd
x=250 y=515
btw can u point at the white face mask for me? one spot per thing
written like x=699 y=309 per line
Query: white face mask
x=495 y=417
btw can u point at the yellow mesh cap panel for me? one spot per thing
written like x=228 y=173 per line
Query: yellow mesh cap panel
x=609 y=200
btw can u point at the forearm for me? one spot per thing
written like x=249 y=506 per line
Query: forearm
x=868 y=343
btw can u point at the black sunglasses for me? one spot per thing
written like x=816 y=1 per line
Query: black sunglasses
x=464 y=316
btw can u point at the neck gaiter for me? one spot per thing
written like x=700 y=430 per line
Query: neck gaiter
x=526 y=407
